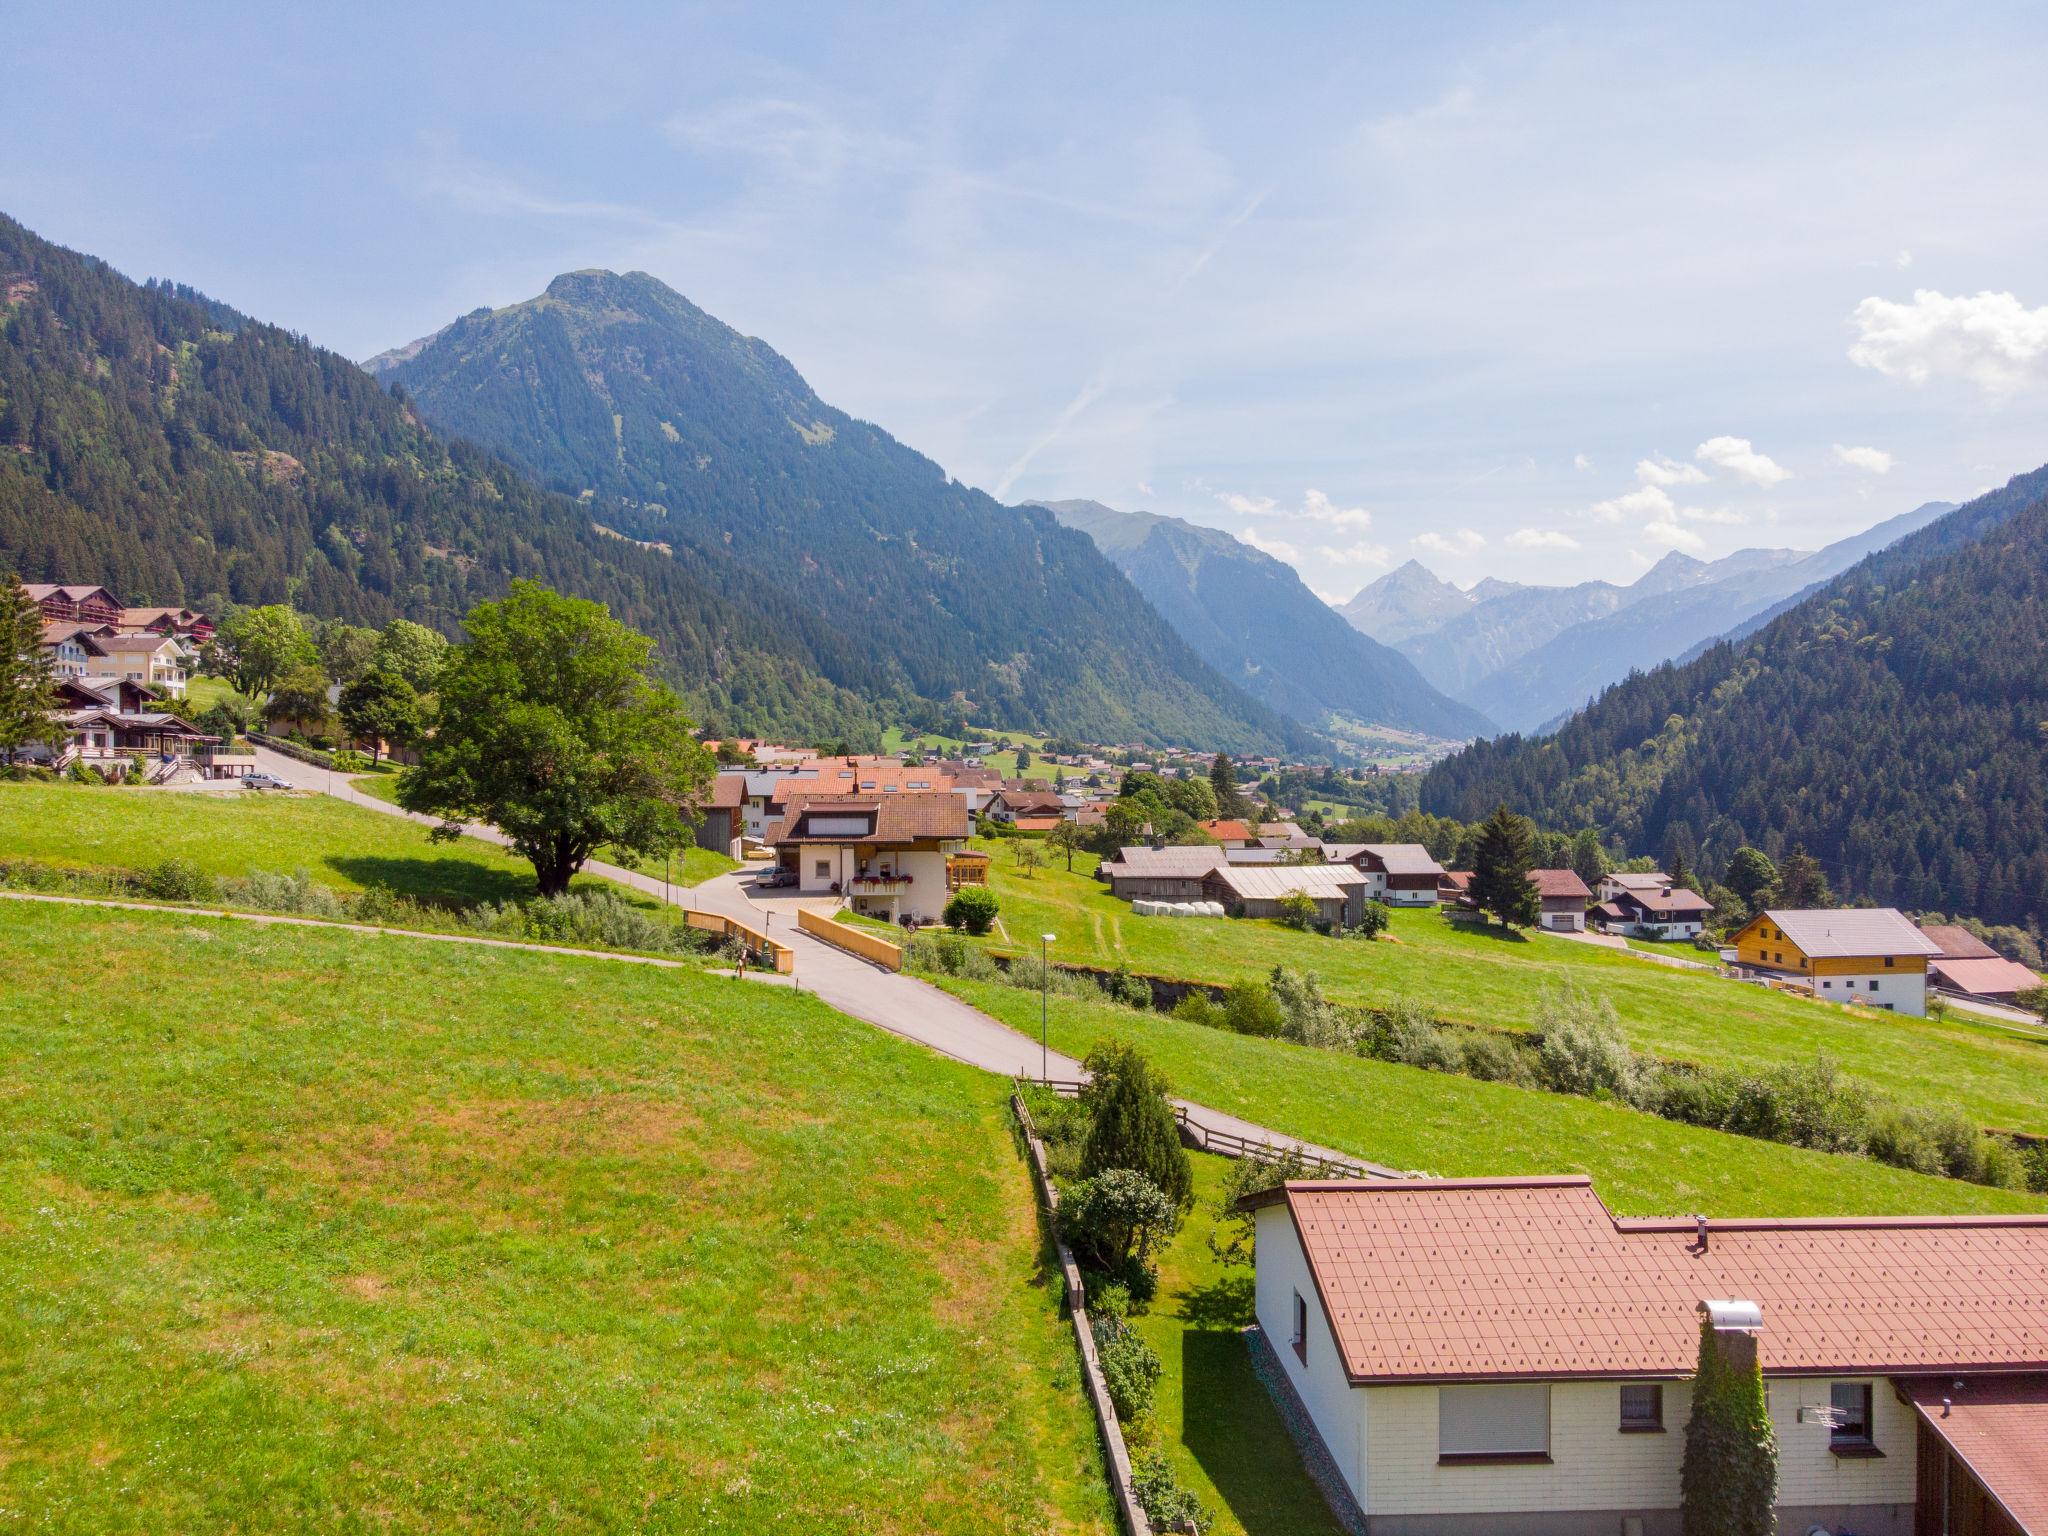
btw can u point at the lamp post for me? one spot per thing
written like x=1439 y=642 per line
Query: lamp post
x=1044 y=986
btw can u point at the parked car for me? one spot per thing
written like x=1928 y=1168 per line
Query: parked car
x=263 y=781
x=775 y=876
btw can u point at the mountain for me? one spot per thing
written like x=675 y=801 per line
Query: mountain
x=1695 y=601
x=163 y=444
x=1251 y=618
x=676 y=429
x=1409 y=600
x=1891 y=721
x=1488 y=635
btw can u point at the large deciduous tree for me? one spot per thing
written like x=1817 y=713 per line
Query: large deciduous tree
x=415 y=652
x=261 y=645
x=28 y=690
x=299 y=696
x=1500 y=870
x=1752 y=876
x=381 y=706
x=549 y=727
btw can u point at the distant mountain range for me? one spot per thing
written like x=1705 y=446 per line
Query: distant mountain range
x=1251 y=618
x=1528 y=656
x=1890 y=719
x=678 y=431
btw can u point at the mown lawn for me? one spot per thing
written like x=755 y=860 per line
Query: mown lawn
x=1435 y=1123
x=341 y=845
x=1467 y=974
x=205 y=692
x=1217 y=1421
x=308 y=1230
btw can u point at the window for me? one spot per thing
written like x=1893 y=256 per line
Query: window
x=824 y=868
x=1889 y=960
x=1300 y=1339
x=1873 y=986
x=1851 y=1402
x=1493 y=1423
x=1642 y=1408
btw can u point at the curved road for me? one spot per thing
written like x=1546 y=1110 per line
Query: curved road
x=903 y=1005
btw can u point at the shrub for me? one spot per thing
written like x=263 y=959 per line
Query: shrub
x=1196 y=1007
x=1116 y=1219
x=1133 y=1124
x=1130 y=1366
x=1375 y=920
x=1231 y=1240
x=947 y=954
x=1249 y=1009
x=1120 y=986
x=1168 y=1506
x=972 y=908
x=352 y=762
x=1584 y=1050
x=1496 y=1059
x=176 y=880
x=1297 y=909
x=1305 y=1015
x=1111 y=1298
x=1729 y=1479
x=1410 y=1036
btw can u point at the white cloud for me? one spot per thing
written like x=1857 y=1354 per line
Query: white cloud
x=1650 y=501
x=1541 y=538
x=1246 y=506
x=1872 y=461
x=1671 y=536
x=1663 y=471
x=1738 y=458
x=1144 y=488
x=1991 y=339
x=1580 y=461
x=1373 y=555
x=1318 y=508
x=1727 y=517
x=1903 y=259
x=1464 y=541
x=1279 y=549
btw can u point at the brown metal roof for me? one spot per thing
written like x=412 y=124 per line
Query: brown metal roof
x=1559 y=884
x=898 y=818
x=1954 y=939
x=1998 y=1425
x=1460 y=1279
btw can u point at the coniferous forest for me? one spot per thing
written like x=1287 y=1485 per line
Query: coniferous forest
x=1895 y=723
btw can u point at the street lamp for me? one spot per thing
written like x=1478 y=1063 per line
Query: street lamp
x=1044 y=985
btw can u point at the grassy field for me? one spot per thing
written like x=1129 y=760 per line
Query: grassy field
x=205 y=692
x=1486 y=976
x=1216 y=1420
x=345 y=846
x=895 y=739
x=316 y=1231
x=1456 y=1126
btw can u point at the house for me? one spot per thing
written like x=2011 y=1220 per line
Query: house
x=1969 y=967
x=1284 y=834
x=1454 y=887
x=83 y=604
x=1506 y=1357
x=1399 y=874
x=161 y=661
x=722 y=827
x=1563 y=897
x=181 y=623
x=1868 y=955
x=107 y=726
x=1613 y=884
x=1159 y=874
x=1250 y=890
x=1670 y=912
x=1013 y=805
x=886 y=854
x=1228 y=831
x=67 y=641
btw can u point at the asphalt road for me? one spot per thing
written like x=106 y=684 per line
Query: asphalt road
x=903 y=1005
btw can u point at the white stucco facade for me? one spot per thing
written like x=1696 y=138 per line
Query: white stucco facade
x=1902 y=991
x=1598 y=1476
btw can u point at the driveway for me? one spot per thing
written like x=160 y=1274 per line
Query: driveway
x=903 y=1005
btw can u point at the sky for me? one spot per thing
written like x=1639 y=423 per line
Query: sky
x=1539 y=292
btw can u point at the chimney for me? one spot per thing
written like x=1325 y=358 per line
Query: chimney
x=1702 y=1232
x=1736 y=1325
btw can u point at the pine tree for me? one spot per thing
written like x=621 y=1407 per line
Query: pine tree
x=28 y=689
x=1223 y=780
x=1681 y=877
x=1802 y=881
x=1500 y=870
x=1132 y=1124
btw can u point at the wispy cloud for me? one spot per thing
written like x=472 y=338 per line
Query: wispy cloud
x=1631 y=506
x=1662 y=471
x=1279 y=549
x=1872 y=461
x=1670 y=535
x=1072 y=412
x=1541 y=538
x=1461 y=541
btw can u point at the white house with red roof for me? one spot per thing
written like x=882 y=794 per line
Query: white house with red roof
x=1506 y=1357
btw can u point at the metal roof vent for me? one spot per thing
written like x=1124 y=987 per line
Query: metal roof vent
x=1734 y=1316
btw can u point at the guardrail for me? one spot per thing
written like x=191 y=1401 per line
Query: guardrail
x=779 y=958
x=1116 y=1455
x=877 y=951
x=293 y=749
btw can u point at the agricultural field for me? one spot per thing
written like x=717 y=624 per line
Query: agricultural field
x=316 y=1230
x=895 y=739
x=1436 y=1123
x=344 y=846
x=1997 y=1076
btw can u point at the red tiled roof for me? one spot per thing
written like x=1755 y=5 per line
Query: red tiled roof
x=1036 y=823
x=1460 y=1279
x=1228 y=831
x=728 y=791
x=1998 y=1425
x=1559 y=883
x=898 y=818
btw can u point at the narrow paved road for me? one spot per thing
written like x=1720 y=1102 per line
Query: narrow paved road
x=903 y=1005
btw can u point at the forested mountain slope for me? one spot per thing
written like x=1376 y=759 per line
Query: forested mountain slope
x=680 y=430
x=166 y=446
x=1251 y=618
x=1893 y=722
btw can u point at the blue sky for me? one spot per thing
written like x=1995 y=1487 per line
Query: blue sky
x=1540 y=292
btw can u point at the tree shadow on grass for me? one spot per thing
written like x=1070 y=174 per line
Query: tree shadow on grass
x=1493 y=931
x=1230 y=1426
x=1224 y=1304
x=444 y=882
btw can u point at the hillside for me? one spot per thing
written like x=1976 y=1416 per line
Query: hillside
x=1891 y=722
x=462 y=1238
x=1251 y=618
x=1408 y=600
x=678 y=429
x=178 y=452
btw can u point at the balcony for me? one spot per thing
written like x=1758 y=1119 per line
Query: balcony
x=882 y=883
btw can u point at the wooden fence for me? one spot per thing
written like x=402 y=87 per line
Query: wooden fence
x=762 y=949
x=854 y=941
x=1230 y=1144
x=1116 y=1455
